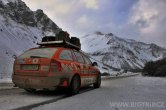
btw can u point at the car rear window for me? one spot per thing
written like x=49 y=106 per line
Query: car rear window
x=39 y=53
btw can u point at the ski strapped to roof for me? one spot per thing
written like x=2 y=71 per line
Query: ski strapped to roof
x=61 y=43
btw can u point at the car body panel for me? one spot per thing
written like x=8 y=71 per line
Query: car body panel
x=39 y=73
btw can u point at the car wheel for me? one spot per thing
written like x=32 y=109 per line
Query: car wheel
x=74 y=86
x=98 y=83
x=30 y=90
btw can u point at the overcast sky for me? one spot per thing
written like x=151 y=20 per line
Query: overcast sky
x=143 y=20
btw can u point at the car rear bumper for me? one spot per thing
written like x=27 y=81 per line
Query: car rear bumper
x=37 y=82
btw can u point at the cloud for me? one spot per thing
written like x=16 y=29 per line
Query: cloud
x=62 y=12
x=82 y=20
x=59 y=7
x=148 y=17
x=91 y=4
x=143 y=20
x=66 y=13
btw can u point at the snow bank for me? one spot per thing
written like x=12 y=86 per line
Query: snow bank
x=6 y=80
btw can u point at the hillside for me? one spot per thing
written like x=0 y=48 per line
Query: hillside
x=20 y=29
x=120 y=53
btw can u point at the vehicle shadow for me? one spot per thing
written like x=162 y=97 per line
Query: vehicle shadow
x=57 y=92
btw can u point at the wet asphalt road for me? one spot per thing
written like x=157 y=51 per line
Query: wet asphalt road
x=128 y=93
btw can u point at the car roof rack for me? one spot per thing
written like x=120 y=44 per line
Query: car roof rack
x=60 y=43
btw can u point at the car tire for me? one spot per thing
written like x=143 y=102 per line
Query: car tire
x=30 y=90
x=98 y=83
x=74 y=85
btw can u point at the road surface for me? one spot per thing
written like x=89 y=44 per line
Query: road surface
x=128 y=93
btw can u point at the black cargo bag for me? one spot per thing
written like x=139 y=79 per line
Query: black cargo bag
x=49 y=38
x=63 y=35
x=75 y=41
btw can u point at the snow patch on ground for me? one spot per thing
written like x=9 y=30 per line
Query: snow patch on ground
x=6 y=80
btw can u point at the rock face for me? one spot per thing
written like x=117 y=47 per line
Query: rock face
x=20 y=29
x=120 y=53
x=20 y=13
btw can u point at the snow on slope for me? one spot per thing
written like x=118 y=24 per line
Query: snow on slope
x=14 y=39
x=21 y=28
x=120 y=53
x=7 y=1
x=20 y=31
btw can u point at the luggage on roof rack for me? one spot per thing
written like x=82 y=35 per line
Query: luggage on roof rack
x=61 y=39
x=62 y=35
x=75 y=41
x=61 y=43
x=49 y=38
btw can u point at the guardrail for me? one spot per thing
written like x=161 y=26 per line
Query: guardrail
x=120 y=75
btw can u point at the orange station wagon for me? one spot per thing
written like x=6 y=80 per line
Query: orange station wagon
x=50 y=66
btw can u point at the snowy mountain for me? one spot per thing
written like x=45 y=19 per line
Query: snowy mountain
x=20 y=29
x=120 y=53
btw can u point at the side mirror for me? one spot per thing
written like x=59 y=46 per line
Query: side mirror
x=94 y=64
x=14 y=56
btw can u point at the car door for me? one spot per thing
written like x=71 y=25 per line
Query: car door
x=81 y=67
x=66 y=59
x=90 y=70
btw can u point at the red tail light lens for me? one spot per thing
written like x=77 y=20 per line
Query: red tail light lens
x=14 y=67
x=55 y=66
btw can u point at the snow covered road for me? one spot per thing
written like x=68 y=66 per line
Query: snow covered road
x=18 y=98
x=129 y=93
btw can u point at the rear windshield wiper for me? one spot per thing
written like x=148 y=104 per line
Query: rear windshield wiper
x=37 y=57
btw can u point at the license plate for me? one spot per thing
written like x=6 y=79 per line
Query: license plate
x=29 y=67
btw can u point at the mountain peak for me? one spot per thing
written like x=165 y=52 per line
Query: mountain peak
x=110 y=34
x=98 y=33
x=39 y=11
x=18 y=11
x=119 y=52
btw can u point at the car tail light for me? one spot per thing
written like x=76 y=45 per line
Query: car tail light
x=16 y=67
x=55 y=66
